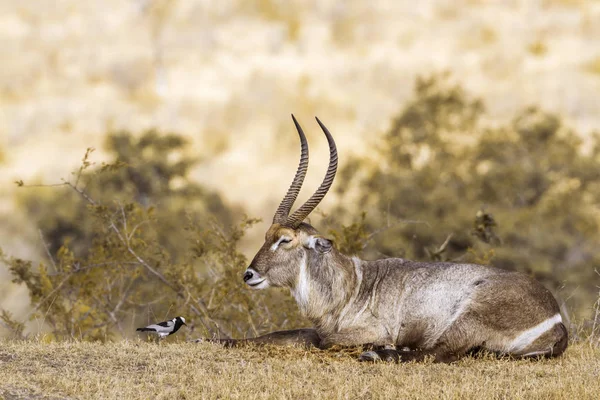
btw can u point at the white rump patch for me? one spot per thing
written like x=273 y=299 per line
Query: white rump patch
x=521 y=342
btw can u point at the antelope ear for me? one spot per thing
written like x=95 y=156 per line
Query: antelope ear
x=319 y=244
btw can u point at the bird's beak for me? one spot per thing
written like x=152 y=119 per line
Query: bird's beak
x=184 y=323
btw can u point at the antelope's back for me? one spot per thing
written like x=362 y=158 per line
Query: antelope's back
x=443 y=291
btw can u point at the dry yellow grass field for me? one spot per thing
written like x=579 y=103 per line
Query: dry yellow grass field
x=142 y=370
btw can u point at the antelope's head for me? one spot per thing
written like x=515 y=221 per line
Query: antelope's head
x=289 y=241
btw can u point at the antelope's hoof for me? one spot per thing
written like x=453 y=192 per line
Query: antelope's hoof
x=369 y=356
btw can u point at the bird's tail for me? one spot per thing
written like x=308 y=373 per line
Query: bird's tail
x=145 y=330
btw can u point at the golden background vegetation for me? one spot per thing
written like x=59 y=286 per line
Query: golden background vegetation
x=226 y=75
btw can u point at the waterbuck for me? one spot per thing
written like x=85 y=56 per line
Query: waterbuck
x=406 y=310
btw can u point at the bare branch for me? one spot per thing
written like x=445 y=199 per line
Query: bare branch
x=124 y=221
x=47 y=250
x=82 y=193
x=135 y=228
x=50 y=294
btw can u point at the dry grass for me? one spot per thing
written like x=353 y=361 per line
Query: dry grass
x=135 y=369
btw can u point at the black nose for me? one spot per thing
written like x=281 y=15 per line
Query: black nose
x=247 y=276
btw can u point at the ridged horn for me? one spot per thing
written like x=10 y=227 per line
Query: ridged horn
x=300 y=214
x=281 y=215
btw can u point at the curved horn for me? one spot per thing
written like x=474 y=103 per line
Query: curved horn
x=300 y=214
x=283 y=210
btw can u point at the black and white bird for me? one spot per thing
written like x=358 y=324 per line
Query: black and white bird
x=165 y=328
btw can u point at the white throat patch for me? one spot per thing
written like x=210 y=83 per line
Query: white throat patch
x=302 y=290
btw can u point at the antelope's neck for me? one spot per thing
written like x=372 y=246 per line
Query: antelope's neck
x=325 y=284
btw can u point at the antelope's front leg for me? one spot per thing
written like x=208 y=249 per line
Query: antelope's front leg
x=305 y=337
x=353 y=338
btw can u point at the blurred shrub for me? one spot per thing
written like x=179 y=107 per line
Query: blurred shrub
x=150 y=170
x=521 y=196
x=287 y=13
x=133 y=241
x=593 y=66
x=538 y=48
